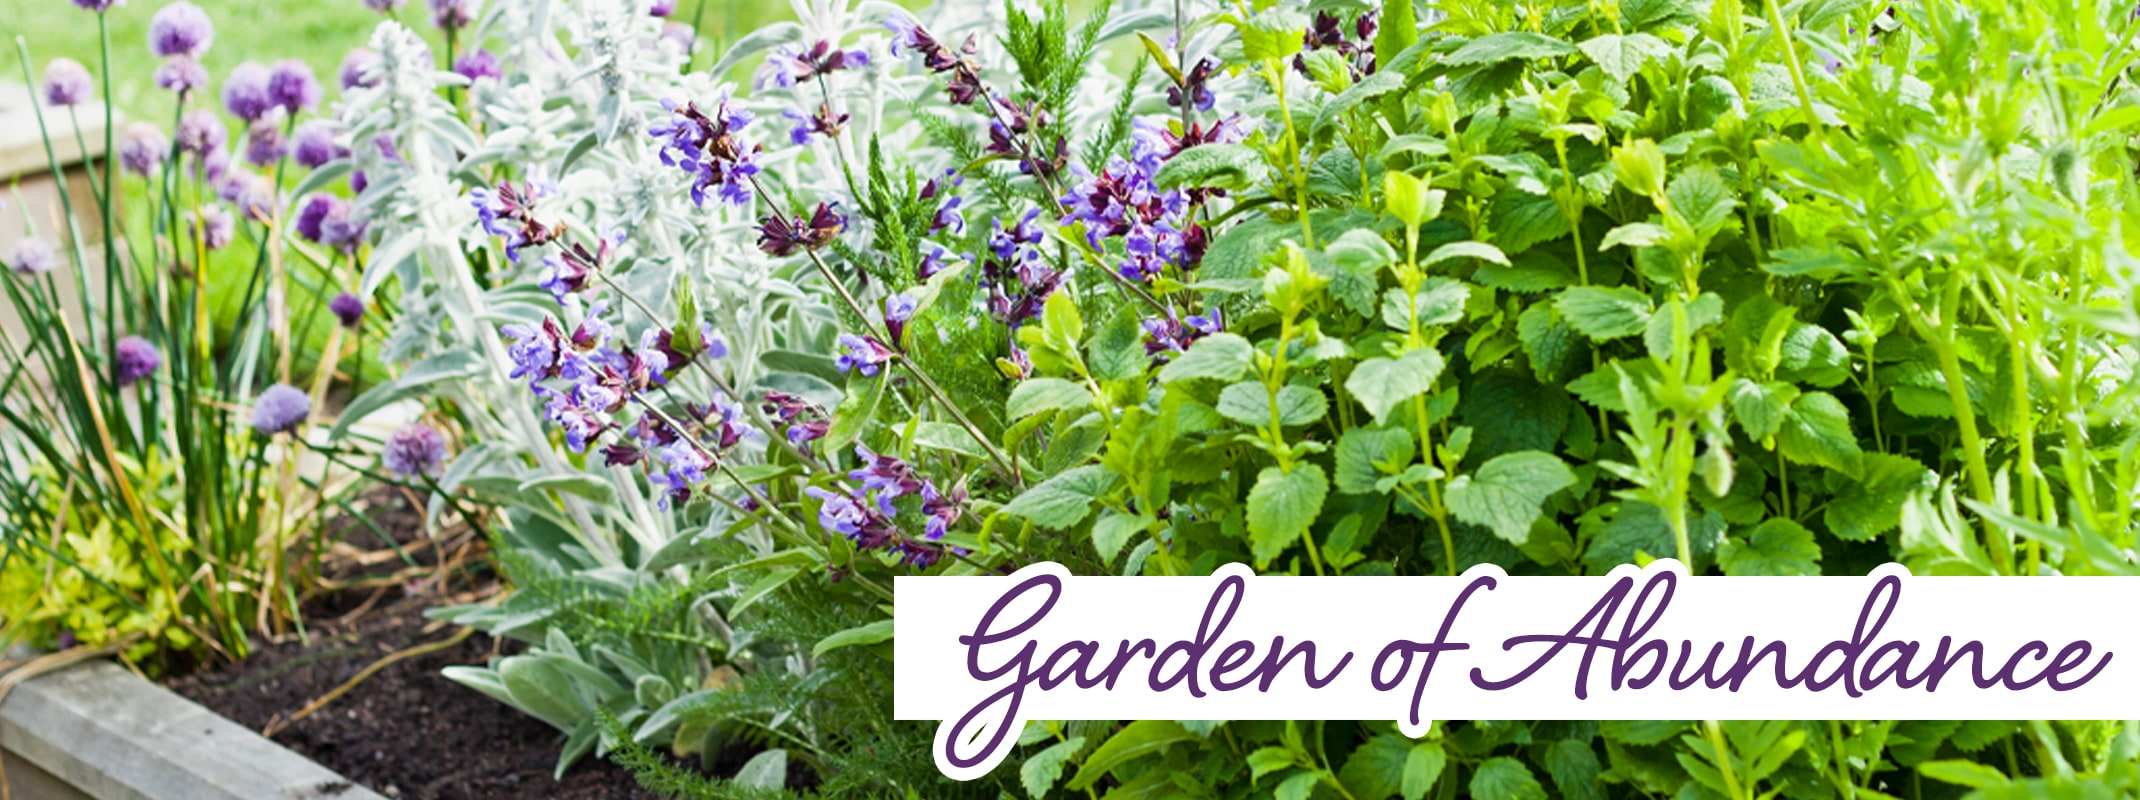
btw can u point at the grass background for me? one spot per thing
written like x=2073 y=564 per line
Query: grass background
x=319 y=31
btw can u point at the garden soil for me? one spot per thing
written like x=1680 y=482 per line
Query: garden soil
x=406 y=732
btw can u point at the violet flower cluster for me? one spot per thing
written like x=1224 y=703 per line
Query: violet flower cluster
x=965 y=84
x=586 y=380
x=180 y=33
x=1157 y=227
x=866 y=514
x=706 y=148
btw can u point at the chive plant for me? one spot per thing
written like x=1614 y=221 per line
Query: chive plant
x=149 y=454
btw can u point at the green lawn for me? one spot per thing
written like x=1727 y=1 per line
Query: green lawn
x=318 y=31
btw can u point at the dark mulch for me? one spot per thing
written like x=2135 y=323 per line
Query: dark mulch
x=407 y=731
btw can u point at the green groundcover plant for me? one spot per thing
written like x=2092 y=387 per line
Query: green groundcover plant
x=1330 y=288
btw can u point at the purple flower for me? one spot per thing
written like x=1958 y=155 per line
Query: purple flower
x=781 y=236
x=181 y=74
x=679 y=34
x=257 y=196
x=99 y=6
x=536 y=351
x=383 y=6
x=137 y=359
x=357 y=182
x=264 y=144
x=356 y=69
x=898 y=310
x=863 y=353
x=342 y=229
x=509 y=214
x=292 y=86
x=279 y=409
x=886 y=475
x=932 y=263
x=947 y=214
x=687 y=466
x=180 y=29
x=943 y=511
x=706 y=147
x=245 y=92
x=454 y=14
x=478 y=64
x=662 y=8
x=1196 y=81
x=416 y=449
x=31 y=256
x=313 y=214
x=569 y=271
x=214 y=226
x=142 y=147
x=201 y=132
x=314 y=144
x=791 y=63
x=347 y=308
x=67 y=83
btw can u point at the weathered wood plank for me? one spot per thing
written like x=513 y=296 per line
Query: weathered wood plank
x=115 y=736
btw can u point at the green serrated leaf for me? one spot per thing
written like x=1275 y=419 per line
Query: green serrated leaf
x=1505 y=493
x=1281 y=506
x=1381 y=383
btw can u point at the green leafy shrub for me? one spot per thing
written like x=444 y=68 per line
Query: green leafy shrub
x=1770 y=289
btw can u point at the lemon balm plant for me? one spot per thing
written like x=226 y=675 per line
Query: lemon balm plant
x=150 y=456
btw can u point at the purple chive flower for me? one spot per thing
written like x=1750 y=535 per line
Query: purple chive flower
x=454 y=14
x=181 y=74
x=99 y=6
x=292 y=86
x=478 y=64
x=201 y=132
x=264 y=144
x=180 y=29
x=383 y=6
x=357 y=68
x=863 y=353
x=898 y=310
x=343 y=229
x=257 y=196
x=347 y=308
x=67 y=83
x=214 y=226
x=31 y=256
x=416 y=449
x=142 y=147
x=245 y=92
x=313 y=214
x=314 y=145
x=679 y=34
x=137 y=359
x=280 y=409
x=707 y=148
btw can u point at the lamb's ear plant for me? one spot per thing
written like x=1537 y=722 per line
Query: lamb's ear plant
x=151 y=457
x=1771 y=289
